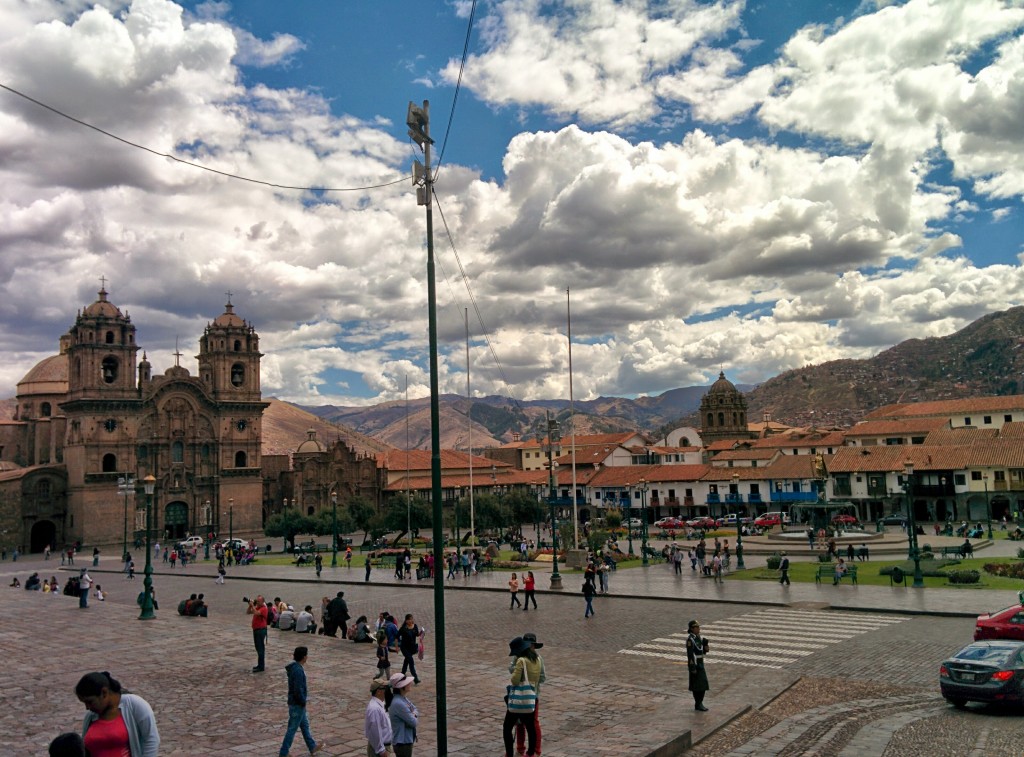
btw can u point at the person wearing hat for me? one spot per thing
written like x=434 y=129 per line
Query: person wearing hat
x=541 y=677
x=403 y=715
x=376 y=725
x=525 y=668
x=784 y=569
x=696 y=648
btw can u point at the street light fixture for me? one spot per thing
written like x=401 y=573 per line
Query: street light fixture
x=231 y=519
x=629 y=516
x=208 y=513
x=334 y=527
x=644 y=487
x=915 y=554
x=988 y=505
x=125 y=487
x=149 y=484
x=552 y=439
x=739 y=525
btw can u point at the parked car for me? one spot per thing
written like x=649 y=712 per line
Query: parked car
x=727 y=520
x=632 y=523
x=985 y=671
x=1005 y=624
x=704 y=522
x=844 y=520
x=670 y=522
x=894 y=520
x=234 y=544
x=771 y=519
x=192 y=542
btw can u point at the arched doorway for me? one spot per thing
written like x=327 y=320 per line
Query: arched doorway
x=176 y=520
x=44 y=533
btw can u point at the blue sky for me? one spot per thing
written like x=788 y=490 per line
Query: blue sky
x=750 y=185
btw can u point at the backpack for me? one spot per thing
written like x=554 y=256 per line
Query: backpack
x=182 y=606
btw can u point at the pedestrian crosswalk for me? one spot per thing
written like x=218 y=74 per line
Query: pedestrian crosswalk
x=770 y=638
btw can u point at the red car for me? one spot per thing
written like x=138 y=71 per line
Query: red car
x=845 y=520
x=1005 y=624
x=670 y=523
x=702 y=523
x=769 y=519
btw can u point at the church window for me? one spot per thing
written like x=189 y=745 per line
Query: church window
x=177 y=452
x=743 y=419
x=711 y=419
x=109 y=463
x=142 y=452
x=238 y=345
x=310 y=510
x=240 y=459
x=735 y=418
x=110 y=337
x=237 y=374
x=44 y=410
x=721 y=419
x=204 y=451
x=109 y=369
x=43 y=489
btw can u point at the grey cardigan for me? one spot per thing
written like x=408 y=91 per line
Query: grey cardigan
x=143 y=737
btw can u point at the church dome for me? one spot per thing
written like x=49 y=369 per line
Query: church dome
x=48 y=376
x=102 y=308
x=311 y=444
x=722 y=386
x=228 y=317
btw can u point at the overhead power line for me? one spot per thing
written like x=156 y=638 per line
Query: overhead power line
x=189 y=163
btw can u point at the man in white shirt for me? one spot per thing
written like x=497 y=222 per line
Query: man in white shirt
x=377 y=726
x=286 y=621
x=84 y=585
x=304 y=622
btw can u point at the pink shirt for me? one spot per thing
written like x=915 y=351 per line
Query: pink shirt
x=108 y=738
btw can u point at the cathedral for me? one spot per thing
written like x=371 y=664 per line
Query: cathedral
x=93 y=421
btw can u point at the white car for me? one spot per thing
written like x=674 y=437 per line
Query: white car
x=234 y=544
x=192 y=542
x=632 y=523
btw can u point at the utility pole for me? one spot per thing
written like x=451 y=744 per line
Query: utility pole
x=418 y=121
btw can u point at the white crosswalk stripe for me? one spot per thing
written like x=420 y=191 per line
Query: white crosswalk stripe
x=745 y=640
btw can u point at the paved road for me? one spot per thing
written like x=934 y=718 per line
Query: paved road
x=617 y=683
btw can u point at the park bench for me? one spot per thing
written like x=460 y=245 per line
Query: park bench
x=953 y=551
x=826 y=570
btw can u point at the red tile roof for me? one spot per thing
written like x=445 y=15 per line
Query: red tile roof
x=801 y=439
x=888 y=427
x=746 y=454
x=621 y=475
x=949 y=407
x=960 y=436
x=892 y=457
x=398 y=460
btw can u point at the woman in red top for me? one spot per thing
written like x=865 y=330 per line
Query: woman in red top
x=529 y=583
x=117 y=724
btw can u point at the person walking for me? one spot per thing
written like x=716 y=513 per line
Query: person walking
x=116 y=722
x=318 y=561
x=696 y=649
x=403 y=715
x=529 y=588
x=369 y=567
x=258 y=609
x=541 y=677
x=348 y=557
x=409 y=645
x=784 y=568
x=383 y=658
x=376 y=723
x=452 y=564
x=337 y=616
x=298 y=718
x=522 y=698
x=513 y=587
x=221 y=572
x=588 y=594
x=84 y=585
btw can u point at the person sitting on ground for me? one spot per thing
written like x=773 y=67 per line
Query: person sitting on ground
x=304 y=622
x=286 y=621
x=183 y=605
x=361 y=631
x=198 y=608
x=33 y=583
x=100 y=594
x=16 y=583
x=54 y=586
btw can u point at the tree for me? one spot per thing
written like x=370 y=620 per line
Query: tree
x=613 y=517
x=524 y=507
x=489 y=514
x=361 y=511
x=323 y=522
x=288 y=523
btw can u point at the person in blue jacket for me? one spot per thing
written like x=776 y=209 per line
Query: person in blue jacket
x=297 y=696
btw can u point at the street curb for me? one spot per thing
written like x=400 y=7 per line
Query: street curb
x=553 y=592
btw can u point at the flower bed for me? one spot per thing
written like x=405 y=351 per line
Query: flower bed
x=964 y=576
x=1008 y=570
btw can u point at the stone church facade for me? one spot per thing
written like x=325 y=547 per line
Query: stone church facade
x=94 y=415
x=723 y=413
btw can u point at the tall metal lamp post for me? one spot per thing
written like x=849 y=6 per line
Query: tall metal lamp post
x=231 y=518
x=629 y=516
x=208 y=518
x=552 y=439
x=739 y=525
x=125 y=487
x=915 y=554
x=644 y=487
x=149 y=483
x=988 y=505
x=334 y=529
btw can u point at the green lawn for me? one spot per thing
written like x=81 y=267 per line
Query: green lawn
x=868 y=573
